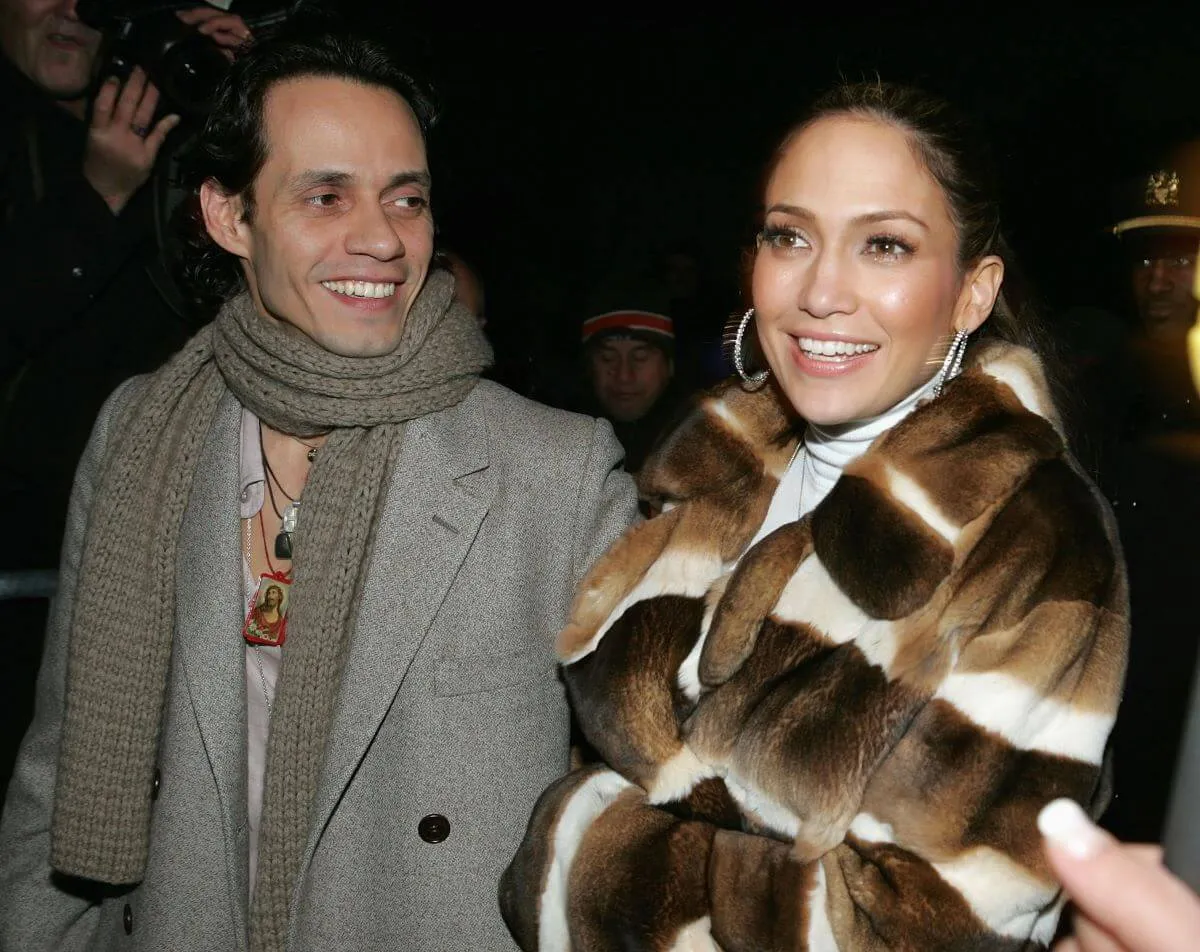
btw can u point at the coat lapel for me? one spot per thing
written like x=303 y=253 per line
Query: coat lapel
x=438 y=496
x=208 y=619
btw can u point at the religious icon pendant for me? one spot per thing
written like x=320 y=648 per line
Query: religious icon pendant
x=266 y=621
x=283 y=541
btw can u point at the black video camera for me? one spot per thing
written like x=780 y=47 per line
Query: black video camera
x=183 y=63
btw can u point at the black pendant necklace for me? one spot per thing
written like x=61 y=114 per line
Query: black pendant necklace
x=312 y=450
x=283 y=541
x=291 y=512
x=287 y=518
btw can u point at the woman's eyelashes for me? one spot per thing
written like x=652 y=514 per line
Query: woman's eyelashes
x=883 y=246
x=782 y=238
x=889 y=247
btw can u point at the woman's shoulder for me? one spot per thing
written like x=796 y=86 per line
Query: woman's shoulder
x=728 y=437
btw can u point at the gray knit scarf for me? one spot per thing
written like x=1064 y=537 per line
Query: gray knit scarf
x=124 y=612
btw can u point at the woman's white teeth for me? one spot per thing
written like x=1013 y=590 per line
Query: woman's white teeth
x=833 y=348
x=362 y=289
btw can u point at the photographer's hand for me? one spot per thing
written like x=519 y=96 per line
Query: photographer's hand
x=121 y=146
x=227 y=30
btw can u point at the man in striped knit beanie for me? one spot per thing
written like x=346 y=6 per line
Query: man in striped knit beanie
x=630 y=356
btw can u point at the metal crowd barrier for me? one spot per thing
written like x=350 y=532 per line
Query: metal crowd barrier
x=40 y=583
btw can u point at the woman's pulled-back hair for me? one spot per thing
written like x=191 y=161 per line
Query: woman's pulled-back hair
x=232 y=148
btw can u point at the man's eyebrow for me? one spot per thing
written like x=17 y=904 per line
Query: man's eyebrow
x=311 y=178
x=409 y=178
x=337 y=178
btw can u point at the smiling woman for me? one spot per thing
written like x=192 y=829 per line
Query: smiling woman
x=857 y=281
x=882 y=619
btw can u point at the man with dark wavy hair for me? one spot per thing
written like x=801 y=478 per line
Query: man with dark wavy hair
x=357 y=779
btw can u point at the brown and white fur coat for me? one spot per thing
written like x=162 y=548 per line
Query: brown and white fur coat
x=839 y=739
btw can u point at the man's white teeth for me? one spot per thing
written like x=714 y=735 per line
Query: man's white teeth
x=833 y=348
x=362 y=289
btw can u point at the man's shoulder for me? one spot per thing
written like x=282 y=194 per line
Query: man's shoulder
x=512 y=417
x=125 y=393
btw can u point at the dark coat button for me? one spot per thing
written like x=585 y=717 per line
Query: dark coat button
x=157 y=784
x=433 y=828
x=128 y=919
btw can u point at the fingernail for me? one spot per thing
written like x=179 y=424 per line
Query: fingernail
x=1064 y=823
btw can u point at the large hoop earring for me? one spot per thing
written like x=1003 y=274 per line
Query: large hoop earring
x=750 y=380
x=953 y=362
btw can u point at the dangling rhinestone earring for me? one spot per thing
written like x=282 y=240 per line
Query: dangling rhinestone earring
x=953 y=362
x=751 y=380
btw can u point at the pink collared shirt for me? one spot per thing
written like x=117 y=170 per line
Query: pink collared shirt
x=262 y=662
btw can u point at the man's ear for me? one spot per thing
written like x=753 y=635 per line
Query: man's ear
x=224 y=219
x=979 y=293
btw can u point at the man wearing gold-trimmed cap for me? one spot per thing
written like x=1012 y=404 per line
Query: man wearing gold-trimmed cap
x=1161 y=232
x=1154 y=472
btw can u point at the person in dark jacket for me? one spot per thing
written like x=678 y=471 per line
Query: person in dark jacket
x=86 y=295
x=1153 y=475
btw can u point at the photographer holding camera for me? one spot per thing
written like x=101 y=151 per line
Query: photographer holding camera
x=86 y=295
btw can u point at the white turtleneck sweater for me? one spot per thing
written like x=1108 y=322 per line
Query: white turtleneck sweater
x=825 y=452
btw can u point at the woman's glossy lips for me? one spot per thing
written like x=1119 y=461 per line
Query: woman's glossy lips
x=832 y=347
x=829 y=357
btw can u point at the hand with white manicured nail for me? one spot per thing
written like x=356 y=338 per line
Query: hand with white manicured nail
x=1125 y=900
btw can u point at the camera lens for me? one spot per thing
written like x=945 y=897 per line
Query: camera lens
x=190 y=71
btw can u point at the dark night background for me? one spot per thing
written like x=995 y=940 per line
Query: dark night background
x=579 y=143
x=576 y=145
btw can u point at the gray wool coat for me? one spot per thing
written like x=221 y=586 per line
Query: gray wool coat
x=450 y=705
